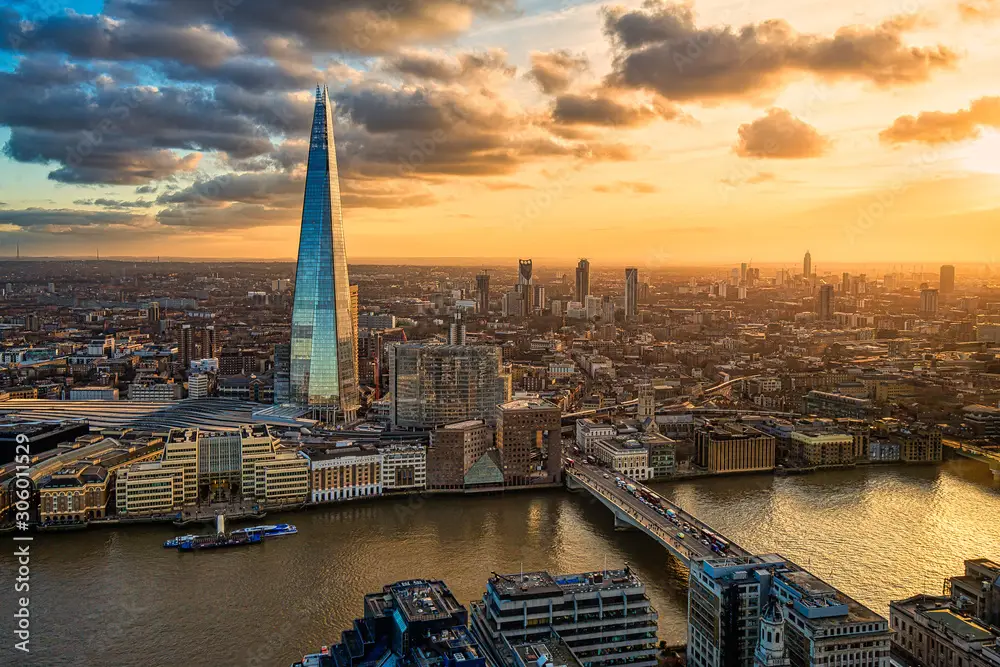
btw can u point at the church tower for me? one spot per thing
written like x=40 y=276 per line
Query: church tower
x=771 y=644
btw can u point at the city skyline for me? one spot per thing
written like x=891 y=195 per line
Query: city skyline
x=595 y=129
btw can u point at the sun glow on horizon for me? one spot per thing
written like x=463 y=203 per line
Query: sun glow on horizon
x=982 y=155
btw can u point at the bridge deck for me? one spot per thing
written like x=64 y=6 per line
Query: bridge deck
x=633 y=511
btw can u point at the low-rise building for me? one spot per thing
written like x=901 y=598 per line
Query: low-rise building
x=930 y=632
x=282 y=479
x=344 y=472
x=149 y=488
x=454 y=448
x=589 y=431
x=404 y=467
x=818 y=448
x=79 y=492
x=922 y=445
x=624 y=455
x=93 y=394
x=154 y=392
x=731 y=446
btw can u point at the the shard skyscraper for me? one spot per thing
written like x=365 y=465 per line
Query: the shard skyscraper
x=321 y=369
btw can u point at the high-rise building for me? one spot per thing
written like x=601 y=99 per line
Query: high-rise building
x=456 y=331
x=208 y=343
x=604 y=617
x=928 y=301
x=807 y=265
x=824 y=306
x=153 y=312
x=743 y=273
x=845 y=284
x=539 y=298
x=582 y=280
x=530 y=441
x=483 y=292
x=186 y=346
x=947 y=283
x=734 y=602
x=631 y=293
x=323 y=359
x=415 y=623
x=432 y=385
x=282 y=386
x=524 y=286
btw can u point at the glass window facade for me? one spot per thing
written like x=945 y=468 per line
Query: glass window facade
x=322 y=355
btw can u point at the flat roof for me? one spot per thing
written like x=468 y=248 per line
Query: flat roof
x=958 y=624
x=529 y=404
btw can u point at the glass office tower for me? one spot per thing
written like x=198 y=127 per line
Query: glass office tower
x=321 y=368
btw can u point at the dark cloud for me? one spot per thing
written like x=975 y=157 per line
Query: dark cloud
x=134 y=134
x=659 y=47
x=114 y=203
x=36 y=218
x=463 y=68
x=555 y=71
x=603 y=108
x=146 y=189
x=227 y=217
x=102 y=38
x=361 y=26
x=780 y=135
x=633 y=187
x=938 y=127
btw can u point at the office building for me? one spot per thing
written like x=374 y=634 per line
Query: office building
x=947 y=282
x=149 y=488
x=154 y=392
x=928 y=301
x=208 y=342
x=929 y=631
x=824 y=306
x=818 y=448
x=539 y=298
x=403 y=467
x=604 y=618
x=731 y=600
x=529 y=439
x=827 y=404
x=631 y=293
x=456 y=331
x=345 y=472
x=582 y=280
x=186 y=347
x=198 y=385
x=626 y=456
x=731 y=446
x=414 y=623
x=807 y=265
x=454 y=449
x=432 y=385
x=93 y=394
x=483 y=292
x=153 y=312
x=525 y=286
x=977 y=592
x=588 y=432
x=322 y=365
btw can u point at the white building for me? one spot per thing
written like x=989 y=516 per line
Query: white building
x=624 y=455
x=344 y=473
x=404 y=467
x=589 y=431
x=198 y=386
x=93 y=394
x=159 y=392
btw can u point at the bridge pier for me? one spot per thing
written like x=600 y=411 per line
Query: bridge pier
x=622 y=522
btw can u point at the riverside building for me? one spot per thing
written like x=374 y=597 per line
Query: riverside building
x=730 y=446
x=821 y=625
x=605 y=618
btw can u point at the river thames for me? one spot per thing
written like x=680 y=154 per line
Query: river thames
x=116 y=597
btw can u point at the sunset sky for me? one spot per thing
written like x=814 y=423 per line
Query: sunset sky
x=640 y=132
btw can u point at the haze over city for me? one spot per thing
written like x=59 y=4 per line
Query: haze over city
x=645 y=133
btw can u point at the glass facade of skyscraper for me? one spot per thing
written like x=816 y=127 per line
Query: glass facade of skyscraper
x=322 y=360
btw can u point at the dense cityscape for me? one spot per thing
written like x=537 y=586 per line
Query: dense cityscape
x=179 y=393
x=571 y=364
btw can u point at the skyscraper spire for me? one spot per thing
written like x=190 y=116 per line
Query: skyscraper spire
x=322 y=358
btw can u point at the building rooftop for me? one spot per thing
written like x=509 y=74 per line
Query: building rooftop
x=528 y=404
x=542 y=584
x=461 y=426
